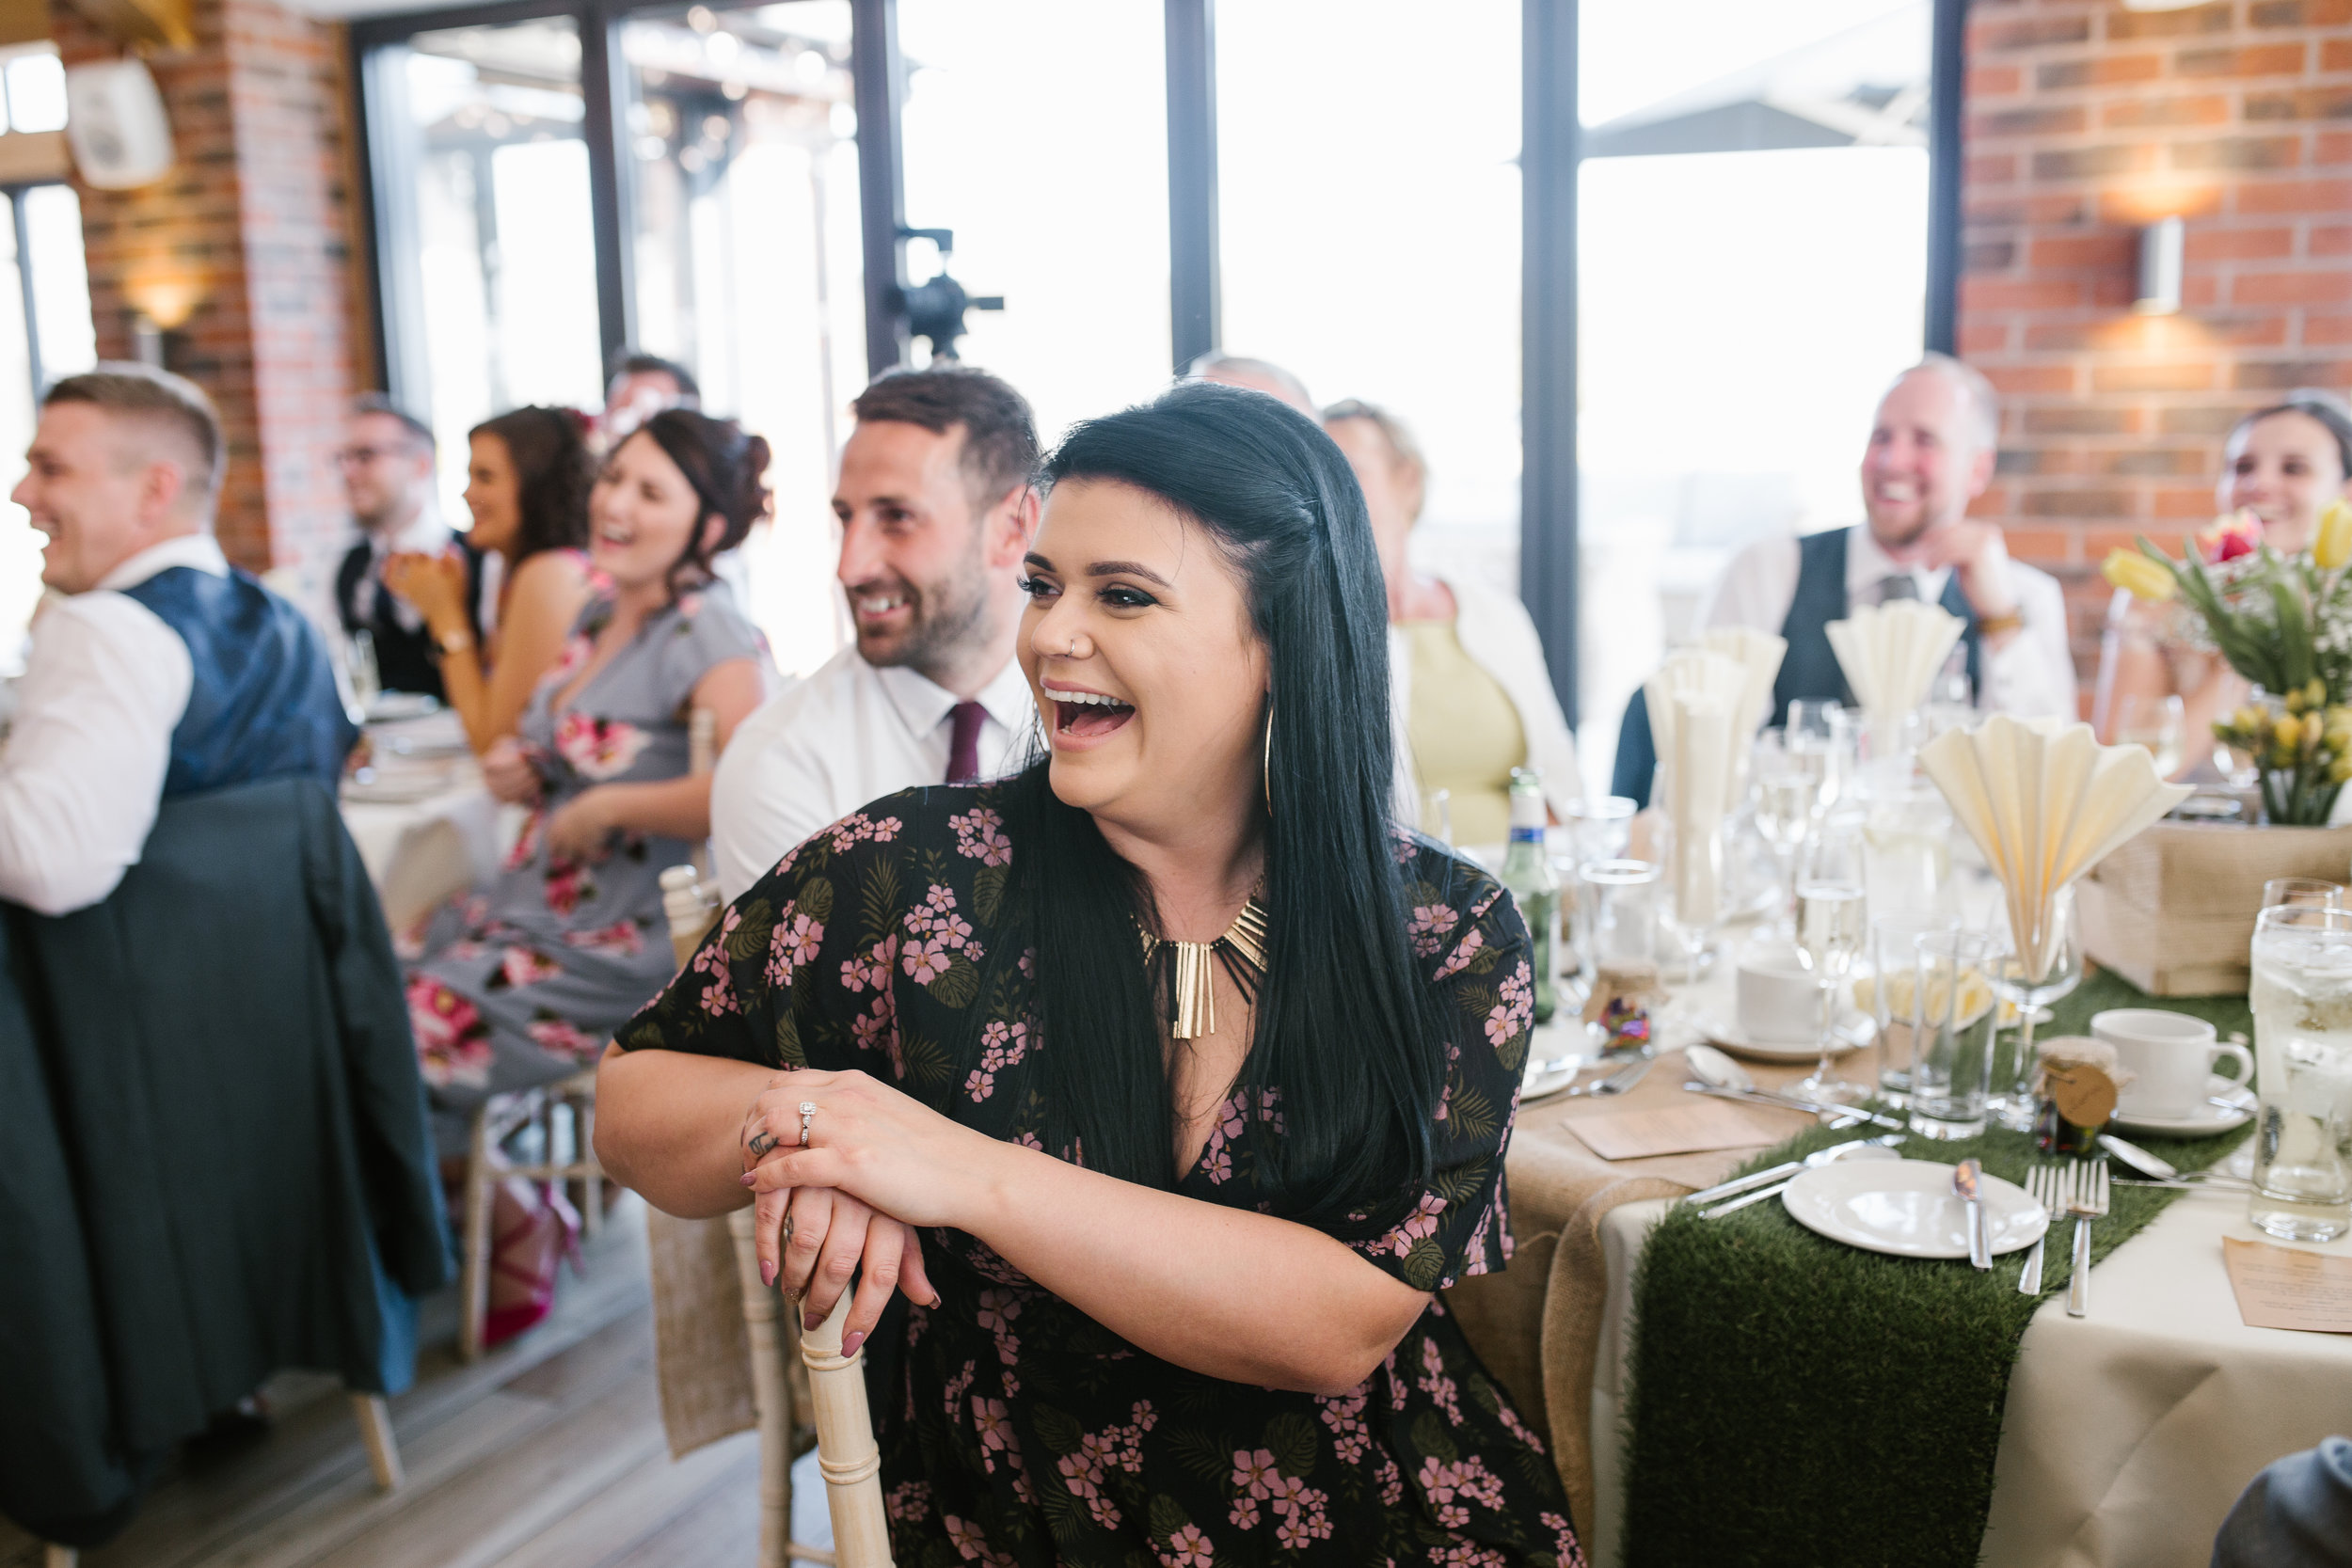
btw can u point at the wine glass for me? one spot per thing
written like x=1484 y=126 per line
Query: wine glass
x=2152 y=723
x=1694 y=904
x=1831 y=926
x=2014 y=980
x=1781 y=802
x=1822 y=736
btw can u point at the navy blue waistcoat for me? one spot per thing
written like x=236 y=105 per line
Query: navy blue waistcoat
x=264 y=703
x=1809 y=670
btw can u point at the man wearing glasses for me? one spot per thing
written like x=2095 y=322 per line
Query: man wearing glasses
x=386 y=466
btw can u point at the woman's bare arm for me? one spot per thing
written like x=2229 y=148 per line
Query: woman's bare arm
x=550 y=590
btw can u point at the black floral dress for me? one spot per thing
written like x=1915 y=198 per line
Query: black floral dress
x=1018 y=1430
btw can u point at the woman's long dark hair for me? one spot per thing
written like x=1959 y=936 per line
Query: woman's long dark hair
x=1347 y=1032
x=552 y=473
x=726 y=470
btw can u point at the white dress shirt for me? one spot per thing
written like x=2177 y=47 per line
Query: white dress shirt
x=422 y=534
x=81 y=772
x=846 y=735
x=2031 y=675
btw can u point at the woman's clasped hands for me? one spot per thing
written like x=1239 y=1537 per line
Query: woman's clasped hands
x=877 y=1164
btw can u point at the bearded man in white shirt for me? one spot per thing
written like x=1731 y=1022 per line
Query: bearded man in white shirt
x=936 y=512
x=1930 y=453
x=163 y=670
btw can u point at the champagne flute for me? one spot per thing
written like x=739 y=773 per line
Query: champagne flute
x=1822 y=735
x=1695 y=887
x=2015 y=980
x=1832 y=927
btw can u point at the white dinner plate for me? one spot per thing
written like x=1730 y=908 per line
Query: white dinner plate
x=2206 y=1120
x=1854 y=1030
x=392 y=706
x=1539 y=1084
x=1909 y=1209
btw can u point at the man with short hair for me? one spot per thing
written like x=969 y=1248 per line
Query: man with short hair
x=1930 y=453
x=643 y=384
x=1258 y=375
x=936 y=512
x=163 y=670
x=386 y=466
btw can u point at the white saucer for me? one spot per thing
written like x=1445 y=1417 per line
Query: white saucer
x=2204 y=1121
x=1909 y=1209
x=1538 y=1085
x=1856 y=1029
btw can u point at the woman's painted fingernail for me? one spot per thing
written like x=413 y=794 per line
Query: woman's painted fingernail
x=767 y=1274
x=849 y=1345
x=811 y=1321
x=751 y=1178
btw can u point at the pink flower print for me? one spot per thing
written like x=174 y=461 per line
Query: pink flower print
x=1001 y=1045
x=577 y=651
x=1028 y=963
x=871 y=968
x=622 y=937
x=1404 y=850
x=972 y=1546
x=1244 y=1514
x=878 y=1029
x=927 y=960
x=1518 y=1428
x=1391 y=1482
x=1218 y=1166
x=1428 y=927
x=1269 y=1110
x=998 y=1310
x=910 y=1501
x=1254 y=1472
x=568 y=886
x=522 y=966
x=1437 y=1382
x=1470 y=948
x=1344 y=1416
x=599 y=748
x=956 y=1387
x=979 y=834
x=527 y=842
x=1420 y=1223
x=793 y=946
x=994 y=1427
x=717 y=998
x=886 y=829
x=559 y=1038
x=453 y=1042
x=1570 y=1554
x=689 y=606
x=1188 y=1549
x=858 y=827
x=1469 y=1554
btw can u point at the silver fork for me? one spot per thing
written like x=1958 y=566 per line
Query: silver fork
x=2087 y=1200
x=2041 y=1186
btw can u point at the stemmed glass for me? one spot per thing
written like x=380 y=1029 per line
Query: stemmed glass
x=1831 y=924
x=1783 y=800
x=1695 y=891
x=1821 y=736
x=2014 y=981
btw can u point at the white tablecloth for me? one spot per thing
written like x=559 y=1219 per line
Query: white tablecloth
x=2127 y=1434
x=425 y=824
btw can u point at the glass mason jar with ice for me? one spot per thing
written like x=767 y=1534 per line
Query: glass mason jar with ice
x=2302 y=1002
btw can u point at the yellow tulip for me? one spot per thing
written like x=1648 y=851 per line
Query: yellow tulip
x=2339 y=771
x=2137 y=576
x=2315 y=694
x=2249 y=719
x=2334 y=547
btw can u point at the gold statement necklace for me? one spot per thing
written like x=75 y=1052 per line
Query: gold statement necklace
x=1183 y=968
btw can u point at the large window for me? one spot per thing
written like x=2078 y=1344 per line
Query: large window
x=45 y=329
x=1412 y=204
x=1369 y=231
x=1036 y=134
x=1752 y=266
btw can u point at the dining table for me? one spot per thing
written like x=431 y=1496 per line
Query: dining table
x=425 y=825
x=2125 y=1436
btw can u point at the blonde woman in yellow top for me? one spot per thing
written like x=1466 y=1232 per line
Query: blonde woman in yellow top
x=1473 y=696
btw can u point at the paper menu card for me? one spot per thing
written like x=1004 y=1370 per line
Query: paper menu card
x=2282 y=1287
x=1708 y=1124
x=1891 y=653
x=2045 y=802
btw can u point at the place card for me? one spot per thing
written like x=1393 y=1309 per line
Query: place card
x=2281 y=1287
x=1709 y=1124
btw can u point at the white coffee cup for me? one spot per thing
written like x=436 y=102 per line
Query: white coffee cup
x=2171 y=1055
x=1778 y=1002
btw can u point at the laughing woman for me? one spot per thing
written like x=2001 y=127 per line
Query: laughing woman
x=1165 y=1080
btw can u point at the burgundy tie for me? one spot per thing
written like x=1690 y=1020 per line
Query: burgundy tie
x=963 y=746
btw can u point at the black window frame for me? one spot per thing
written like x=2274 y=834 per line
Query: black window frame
x=1550 y=153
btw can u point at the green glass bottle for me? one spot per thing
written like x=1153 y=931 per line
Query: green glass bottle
x=1527 y=873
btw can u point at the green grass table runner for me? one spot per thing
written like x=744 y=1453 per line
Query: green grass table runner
x=1796 y=1400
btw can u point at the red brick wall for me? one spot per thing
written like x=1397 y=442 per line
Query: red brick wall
x=2086 y=120
x=254 y=225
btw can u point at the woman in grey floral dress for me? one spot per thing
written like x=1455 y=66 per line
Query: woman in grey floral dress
x=524 y=980
x=1166 y=1081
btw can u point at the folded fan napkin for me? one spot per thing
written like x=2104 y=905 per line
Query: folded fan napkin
x=1698 y=796
x=1891 y=653
x=2045 y=802
x=1759 y=654
x=1691 y=673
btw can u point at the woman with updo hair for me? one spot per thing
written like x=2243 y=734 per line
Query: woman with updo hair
x=524 y=980
x=2286 y=464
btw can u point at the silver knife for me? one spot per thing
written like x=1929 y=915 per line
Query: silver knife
x=1965 y=1179
x=1788 y=1102
x=2137 y=1158
x=1757 y=1179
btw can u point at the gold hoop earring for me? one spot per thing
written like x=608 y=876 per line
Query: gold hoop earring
x=1265 y=765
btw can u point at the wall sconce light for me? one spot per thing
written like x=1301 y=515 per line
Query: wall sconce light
x=2161 y=246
